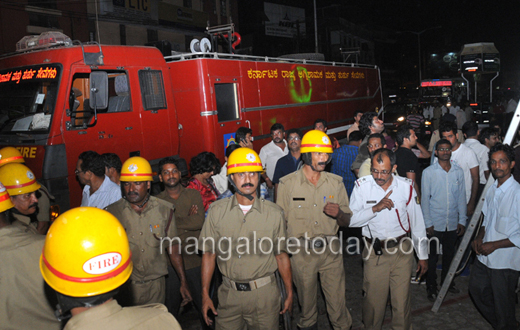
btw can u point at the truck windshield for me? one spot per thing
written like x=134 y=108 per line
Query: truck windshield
x=28 y=98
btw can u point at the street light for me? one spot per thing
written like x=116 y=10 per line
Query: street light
x=419 y=46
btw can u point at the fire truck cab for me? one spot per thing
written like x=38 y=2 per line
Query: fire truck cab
x=60 y=98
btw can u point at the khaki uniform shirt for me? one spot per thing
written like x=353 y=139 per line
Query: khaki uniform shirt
x=23 y=303
x=144 y=235
x=242 y=254
x=111 y=315
x=44 y=214
x=303 y=203
x=44 y=204
x=24 y=223
x=188 y=226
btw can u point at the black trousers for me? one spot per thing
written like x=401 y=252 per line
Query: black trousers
x=173 y=295
x=493 y=292
x=448 y=239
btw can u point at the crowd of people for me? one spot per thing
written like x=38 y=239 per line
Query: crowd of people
x=241 y=232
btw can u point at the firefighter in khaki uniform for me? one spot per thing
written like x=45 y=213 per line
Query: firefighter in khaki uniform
x=10 y=155
x=23 y=303
x=248 y=236
x=150 y=225
x=315 y=204
x=86 y=259
x=22 y=186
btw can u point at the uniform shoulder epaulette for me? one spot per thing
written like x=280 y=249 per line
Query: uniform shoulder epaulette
x=363 y=180
x=114 y=205
x=335 y=177
x=409 y=181
x=163 y=202
x=271 y=205
x=288 y=177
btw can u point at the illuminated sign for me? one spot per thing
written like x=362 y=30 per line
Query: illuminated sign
x=436 y=83
x=485 y=62
x=29 y=74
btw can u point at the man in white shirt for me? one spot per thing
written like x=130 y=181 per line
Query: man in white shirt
x=494 y=276
x=471 y=132
x=454 y=108
x=466 y=159
x=386 y=208
x=221 y=180
x=99 y=190
x=511 y=105
x=271 y=152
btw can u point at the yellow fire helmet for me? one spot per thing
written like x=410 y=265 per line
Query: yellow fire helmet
x=316 y=141
x=5 y=200
x=18 y=179
x=136 y=169
x=86 y=253
x=10 y=155
x=244 y=160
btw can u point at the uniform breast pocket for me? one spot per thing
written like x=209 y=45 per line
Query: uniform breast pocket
x=300 y=210
x=507 y=225
x=154 y=237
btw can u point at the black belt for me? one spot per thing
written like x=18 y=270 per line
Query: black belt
x=251 y=285
x=389 y=242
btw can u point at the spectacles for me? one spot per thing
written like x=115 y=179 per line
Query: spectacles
x=383 y=172
x=76 y=171
x=297 y=138
x=444 y=149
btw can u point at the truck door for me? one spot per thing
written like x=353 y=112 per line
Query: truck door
x=157 y=124
x=116 y=130
x=227 y=104
x=227 y=99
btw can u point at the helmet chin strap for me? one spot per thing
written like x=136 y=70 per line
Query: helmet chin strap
x=248 y=196
x=143 y=204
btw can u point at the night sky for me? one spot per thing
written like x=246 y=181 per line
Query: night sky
x=462 y=21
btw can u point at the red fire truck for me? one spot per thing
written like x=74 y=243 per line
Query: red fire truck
x=61 y=98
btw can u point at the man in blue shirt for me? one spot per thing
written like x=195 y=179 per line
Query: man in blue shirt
x=290 y=162
x=494 y=276
x=444 y=211
x=342 y=159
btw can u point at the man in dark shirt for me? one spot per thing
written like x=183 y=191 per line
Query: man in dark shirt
x=290 y=162
x=342 y=159
x=407 y=162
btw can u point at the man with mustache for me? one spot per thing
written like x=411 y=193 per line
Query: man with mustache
x=10 y=155
x=386 y=208
x=151 y=228
x=21 y=185
x=248 y=236
x=23 y=299
x=315 y=205
x=189 y=217
x=271 y=153
x=494 y=276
